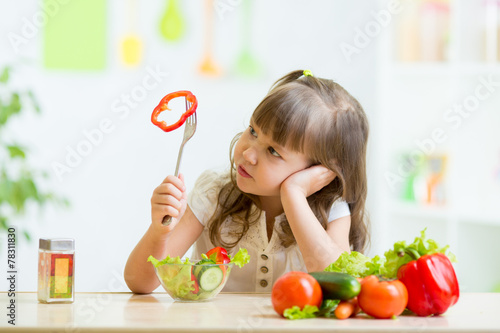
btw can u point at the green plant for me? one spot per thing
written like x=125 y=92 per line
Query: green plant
x=19 y=183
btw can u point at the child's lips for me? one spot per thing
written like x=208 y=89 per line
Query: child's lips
x=243 y=172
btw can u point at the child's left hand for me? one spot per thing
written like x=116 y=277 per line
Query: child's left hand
x=309 y=180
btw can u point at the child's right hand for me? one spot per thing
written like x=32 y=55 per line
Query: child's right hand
x=170 y=198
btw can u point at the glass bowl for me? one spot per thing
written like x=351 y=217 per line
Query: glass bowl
x=192 y=282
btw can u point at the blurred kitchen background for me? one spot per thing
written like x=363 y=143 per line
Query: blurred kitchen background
x=80 y=158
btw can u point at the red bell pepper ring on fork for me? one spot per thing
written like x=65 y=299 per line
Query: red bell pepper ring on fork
x=163 y=105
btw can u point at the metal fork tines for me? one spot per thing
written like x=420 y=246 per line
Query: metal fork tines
x=189 y=129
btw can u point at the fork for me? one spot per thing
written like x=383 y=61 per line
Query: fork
x=189 y=129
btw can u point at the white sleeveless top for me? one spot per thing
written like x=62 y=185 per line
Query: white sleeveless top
x=268 y=259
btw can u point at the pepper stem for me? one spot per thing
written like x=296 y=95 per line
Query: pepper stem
x=413 y=253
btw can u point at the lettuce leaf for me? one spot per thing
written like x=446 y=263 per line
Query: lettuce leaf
x=176 y=278
x=167 y=260
x=356 y=264
x=326 y=310
x=181 y=282
x=328 y=307
x=309 y=311
x=240 y=258
x=397 y=257
x=359 y=265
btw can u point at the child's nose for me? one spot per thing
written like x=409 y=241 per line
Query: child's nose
x=250 y=155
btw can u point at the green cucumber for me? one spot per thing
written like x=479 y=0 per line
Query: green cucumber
x=335 y=285
x=199 y=265
x=210 y=277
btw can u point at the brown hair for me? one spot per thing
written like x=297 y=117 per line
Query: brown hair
x=320 y=119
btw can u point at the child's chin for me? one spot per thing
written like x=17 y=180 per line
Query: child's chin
x=245 y=186
x=240 y=183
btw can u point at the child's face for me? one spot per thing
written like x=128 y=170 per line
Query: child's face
x=262 y=165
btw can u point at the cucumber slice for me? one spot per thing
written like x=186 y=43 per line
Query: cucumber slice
x=210 y=277
x=205 y=262
x=199 y=266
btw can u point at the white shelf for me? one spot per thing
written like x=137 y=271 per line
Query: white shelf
x=440 y=69
x=423 y=69
x=478 y=68
x=483 y=218
x=444 y=213
x=410 y=209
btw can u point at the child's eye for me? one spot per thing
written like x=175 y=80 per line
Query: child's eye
x=252 y=131
x=274 y=152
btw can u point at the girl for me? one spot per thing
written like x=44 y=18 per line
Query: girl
x=294 y=196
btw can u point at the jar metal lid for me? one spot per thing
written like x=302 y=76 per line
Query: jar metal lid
x=57 y=244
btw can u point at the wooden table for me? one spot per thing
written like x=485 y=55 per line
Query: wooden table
x=119 y=312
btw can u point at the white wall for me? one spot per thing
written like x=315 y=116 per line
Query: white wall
x=110 y=189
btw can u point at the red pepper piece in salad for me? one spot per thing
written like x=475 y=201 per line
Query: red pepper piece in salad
x=219 y=255
x=196 y=286
x=431 y=283
x=163 y=105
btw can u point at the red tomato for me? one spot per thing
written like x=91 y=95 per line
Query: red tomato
x=382 y=299
x=295 y=288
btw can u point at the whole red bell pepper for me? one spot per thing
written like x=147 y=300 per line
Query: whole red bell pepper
x=431 y=283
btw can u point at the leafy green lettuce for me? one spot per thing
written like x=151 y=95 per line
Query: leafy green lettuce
x=176 y=278
x=356 y=264
x=181 y=283
x=240 y=258
x=398 y=256
x=327 y=309
x=359 y=265
x=295 y=312
x=167 y=260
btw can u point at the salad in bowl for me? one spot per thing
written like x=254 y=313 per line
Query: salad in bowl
x=197 y=280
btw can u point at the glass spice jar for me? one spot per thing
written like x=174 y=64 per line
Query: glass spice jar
x=56 y=270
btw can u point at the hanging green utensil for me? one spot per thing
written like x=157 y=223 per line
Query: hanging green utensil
x=247 y=64
x=172 y=23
